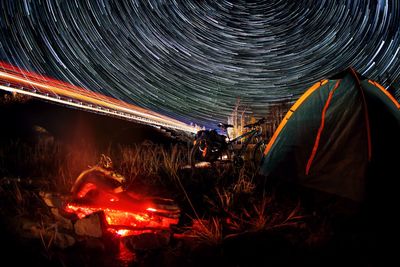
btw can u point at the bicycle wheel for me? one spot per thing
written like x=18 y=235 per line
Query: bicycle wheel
x=258 y=153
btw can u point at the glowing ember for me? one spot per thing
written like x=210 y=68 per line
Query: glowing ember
x=88 y=187
x=125 y=212
x=122 y=232
x=125 y=255
x=151 y=209
x=124 y=223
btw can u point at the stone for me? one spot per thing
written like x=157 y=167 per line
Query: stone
x=63 y=240
x=29 y=229
x=91 y=225
x=147 y=241
x=61 y=221
x=52 y=200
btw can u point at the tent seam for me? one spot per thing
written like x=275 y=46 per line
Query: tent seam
x=365 y=114
x=321 y=128
x=291 y=111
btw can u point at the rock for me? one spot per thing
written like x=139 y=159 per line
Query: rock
x=147 y=241
x=51 y=199
x=63 y=240
x=49 y=234
x=29 y=229
x=61 y=221
x=42 y=136
x=94 y=244
x=92 y=225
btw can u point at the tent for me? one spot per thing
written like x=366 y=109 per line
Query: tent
x=342 y=137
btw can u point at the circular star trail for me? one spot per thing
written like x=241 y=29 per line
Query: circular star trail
x=193 y=59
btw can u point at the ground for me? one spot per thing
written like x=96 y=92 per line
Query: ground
x=228 y=217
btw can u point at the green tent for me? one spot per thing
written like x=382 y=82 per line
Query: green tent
x=341 y=137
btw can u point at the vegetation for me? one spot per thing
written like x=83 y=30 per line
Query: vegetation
x=217 y=203
x=228 y=218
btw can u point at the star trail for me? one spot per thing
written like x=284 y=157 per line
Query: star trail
x=191 y=60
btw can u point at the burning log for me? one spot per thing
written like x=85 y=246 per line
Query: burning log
x=100 y=189
x=122 y=221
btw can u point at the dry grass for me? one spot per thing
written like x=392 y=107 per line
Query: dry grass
x=208 y=231
x=233 y=204
x=60 y=164
x=244 y=183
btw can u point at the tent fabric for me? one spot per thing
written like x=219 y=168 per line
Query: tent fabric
x=335 y=136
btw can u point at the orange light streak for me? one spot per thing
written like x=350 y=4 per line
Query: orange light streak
x=53 y=90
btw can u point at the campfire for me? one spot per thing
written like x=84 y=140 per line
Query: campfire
x=120 y=220
x=100 y=191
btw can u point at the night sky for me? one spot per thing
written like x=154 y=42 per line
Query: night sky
x=193 y=59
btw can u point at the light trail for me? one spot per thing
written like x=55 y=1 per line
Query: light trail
x=34 y=85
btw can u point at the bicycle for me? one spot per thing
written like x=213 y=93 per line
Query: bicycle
x=209 y=146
